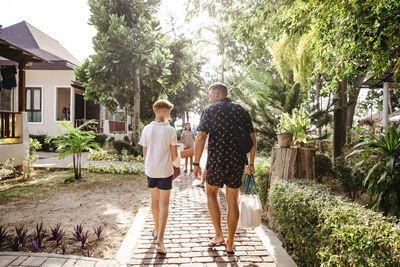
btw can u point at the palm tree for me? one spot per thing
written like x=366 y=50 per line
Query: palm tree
x=74 y=143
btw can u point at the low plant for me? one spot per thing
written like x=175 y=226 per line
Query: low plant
x=3 y=234
x=350 y=179
x=77 y=233
x=84 y=239
x=40 y=233
x=120 y=169
x=98 y=230
x=383 y=179
x=262 y=171
x=55 y=230
x=63 y=249
x=35 y=245
x=323 y=166
x=322 y=229
x=21 y=233
x=88 y=252
x=15 y=244
x=31 y=157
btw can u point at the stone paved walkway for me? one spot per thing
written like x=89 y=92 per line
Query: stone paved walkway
x=189 y=230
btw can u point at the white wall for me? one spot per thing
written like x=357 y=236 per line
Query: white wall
x=17 y=151
x=49 y=80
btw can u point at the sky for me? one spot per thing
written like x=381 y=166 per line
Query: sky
x=67 y=20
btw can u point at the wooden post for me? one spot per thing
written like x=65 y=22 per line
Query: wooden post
x=385 y=105
x=21 y=87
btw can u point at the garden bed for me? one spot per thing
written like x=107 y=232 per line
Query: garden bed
x=109 y=200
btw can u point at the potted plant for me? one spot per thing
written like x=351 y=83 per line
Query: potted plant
x=293 y=128
x=285 y=131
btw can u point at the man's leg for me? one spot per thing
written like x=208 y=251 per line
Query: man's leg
x=232 y=195
x=215 y=211
x=155 y=207
x=164 y=206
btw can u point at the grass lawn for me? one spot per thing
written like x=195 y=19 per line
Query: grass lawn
x=52 y=197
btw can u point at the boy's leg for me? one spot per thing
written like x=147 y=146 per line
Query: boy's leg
x=232 y=196
x=164 y=205
x=215 y=211
x=155 y=207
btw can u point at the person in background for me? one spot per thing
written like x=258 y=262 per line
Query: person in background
x=160 y=149
x=187 y=138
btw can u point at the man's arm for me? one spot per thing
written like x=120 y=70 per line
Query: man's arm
x=198 y=151
x=250 y=168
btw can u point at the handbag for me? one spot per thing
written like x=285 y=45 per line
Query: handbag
x=186 y=153
x=250 y=205
x=176 y=166
x=177 y=172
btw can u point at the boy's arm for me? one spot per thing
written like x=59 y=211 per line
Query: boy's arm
x=174 y=152
x=144 y=151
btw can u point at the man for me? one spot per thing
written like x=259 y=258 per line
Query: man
x=225 y=162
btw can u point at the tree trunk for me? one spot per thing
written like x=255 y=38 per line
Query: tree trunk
x=187 y=116
x=317 y=96
x=339 y=118
x=136 y=112
x=351 y=108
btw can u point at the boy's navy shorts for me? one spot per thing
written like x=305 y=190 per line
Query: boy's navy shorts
x=160 y=183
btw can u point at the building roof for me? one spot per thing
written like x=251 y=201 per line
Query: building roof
x=16 y=53
x=37 y=42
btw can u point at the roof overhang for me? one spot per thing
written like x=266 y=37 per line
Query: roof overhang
x=18 y=54
x=377 y=82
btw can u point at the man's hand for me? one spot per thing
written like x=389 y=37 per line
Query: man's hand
x=197 y=172
x=250 y=169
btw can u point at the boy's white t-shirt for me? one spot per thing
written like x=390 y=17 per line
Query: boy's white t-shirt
x=158 y=137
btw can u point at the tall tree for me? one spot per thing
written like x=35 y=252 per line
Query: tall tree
x=127 y=36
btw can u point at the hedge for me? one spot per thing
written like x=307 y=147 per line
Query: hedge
x=325 y=230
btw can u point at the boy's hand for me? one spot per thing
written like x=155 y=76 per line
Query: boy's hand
x=197 y=172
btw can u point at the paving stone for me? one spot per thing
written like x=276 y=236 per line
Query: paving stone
x=251 y=259
x=5 y=260
x=178 y=260
x=202 y=259
x=51 y=262
x=83 y=263
x=69 y=263
x=258 y=253
x=33 y=261
x=19 y=260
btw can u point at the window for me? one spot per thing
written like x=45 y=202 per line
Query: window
x=34 y=104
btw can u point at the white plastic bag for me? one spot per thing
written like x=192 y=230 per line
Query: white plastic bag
x=250 y=206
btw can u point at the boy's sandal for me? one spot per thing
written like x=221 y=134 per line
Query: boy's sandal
x=160 y=249
x=216 y=244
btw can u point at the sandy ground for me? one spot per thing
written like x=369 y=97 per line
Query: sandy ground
x=108 y=200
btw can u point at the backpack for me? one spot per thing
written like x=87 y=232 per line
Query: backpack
x=243 y=139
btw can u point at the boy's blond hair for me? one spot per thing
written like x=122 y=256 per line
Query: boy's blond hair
x=161 y=103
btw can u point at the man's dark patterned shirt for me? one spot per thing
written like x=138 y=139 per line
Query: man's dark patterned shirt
x=218 y=120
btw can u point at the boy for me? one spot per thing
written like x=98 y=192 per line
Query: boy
x=160 y=149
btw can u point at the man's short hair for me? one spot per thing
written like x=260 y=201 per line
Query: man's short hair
x=220 y=87
x=161 y=103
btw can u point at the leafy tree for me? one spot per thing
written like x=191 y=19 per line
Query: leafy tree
x=125 y=46
x=74 y=143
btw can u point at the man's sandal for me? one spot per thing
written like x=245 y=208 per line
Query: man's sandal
x=230 y=252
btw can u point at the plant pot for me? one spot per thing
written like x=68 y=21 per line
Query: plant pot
x=285 y=139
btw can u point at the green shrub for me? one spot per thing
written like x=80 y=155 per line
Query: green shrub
x=323 y=166
x=265 y=145
x=351 y=180
x=119 y=169
x=100 y=139
x=46 y=146
x=262 y=180
x=326 y=230
x=119 y=145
